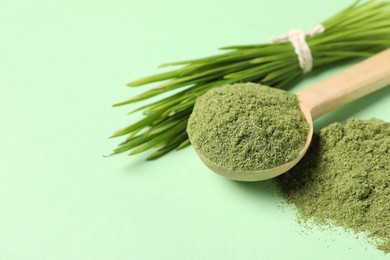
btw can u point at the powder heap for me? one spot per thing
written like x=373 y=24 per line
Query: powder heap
x=247 y=127
x=344 y=179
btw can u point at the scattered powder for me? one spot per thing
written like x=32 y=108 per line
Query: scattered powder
x=344 y=179
x=247 y=127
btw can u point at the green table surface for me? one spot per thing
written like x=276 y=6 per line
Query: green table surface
x=64 y=63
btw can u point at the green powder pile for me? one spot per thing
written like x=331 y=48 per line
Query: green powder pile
x=247 y=127
x=344 y=179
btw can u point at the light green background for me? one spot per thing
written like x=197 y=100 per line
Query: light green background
x=62 y=65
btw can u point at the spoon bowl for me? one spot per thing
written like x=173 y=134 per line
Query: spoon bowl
x=319 y=99
x=263 y=174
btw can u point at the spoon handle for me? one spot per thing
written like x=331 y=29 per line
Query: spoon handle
x=368 y=76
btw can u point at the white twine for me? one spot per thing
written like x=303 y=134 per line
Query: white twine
x=302 y=49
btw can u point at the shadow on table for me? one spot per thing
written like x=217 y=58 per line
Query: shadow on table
x=264 y=189
x=136 y=165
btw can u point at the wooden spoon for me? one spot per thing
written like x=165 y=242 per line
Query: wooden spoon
x=368 y=76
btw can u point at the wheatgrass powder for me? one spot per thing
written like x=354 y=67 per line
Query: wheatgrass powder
x=247 y=127
x=344 y=179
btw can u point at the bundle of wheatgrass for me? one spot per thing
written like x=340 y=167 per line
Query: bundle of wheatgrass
x=356 y=32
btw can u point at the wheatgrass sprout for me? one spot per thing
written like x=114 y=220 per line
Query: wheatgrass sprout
x=358 y=31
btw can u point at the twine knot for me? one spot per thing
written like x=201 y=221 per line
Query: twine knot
x=298 y=40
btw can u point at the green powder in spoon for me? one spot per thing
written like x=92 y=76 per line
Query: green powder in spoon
x=248 y=127
x=344 y=179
